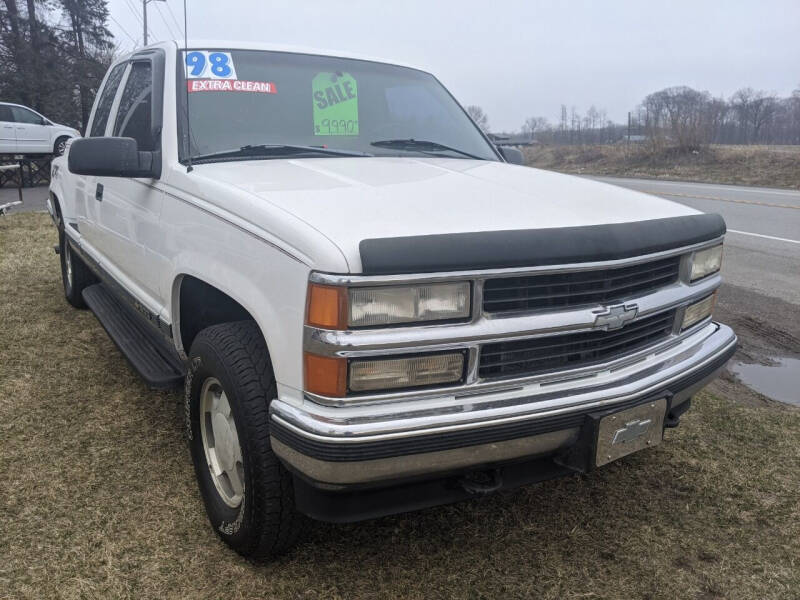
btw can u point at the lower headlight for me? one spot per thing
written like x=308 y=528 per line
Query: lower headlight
x=416 y=371
x=698 y=311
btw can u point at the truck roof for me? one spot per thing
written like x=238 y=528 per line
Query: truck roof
x=248 y=45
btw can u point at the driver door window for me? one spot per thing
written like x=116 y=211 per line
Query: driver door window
x=135 y=112
x=106 y=101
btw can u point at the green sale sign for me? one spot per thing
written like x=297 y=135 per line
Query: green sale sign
x=335 y=104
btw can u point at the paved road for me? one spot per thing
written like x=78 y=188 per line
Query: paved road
x=32 y=198
x=762 y=248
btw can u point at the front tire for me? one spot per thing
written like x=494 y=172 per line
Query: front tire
x=248 y=494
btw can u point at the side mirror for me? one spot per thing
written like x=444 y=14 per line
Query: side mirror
x=512 y=155
x=112 y=157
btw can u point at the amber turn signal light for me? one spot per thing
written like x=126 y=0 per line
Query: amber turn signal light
x=327 y=306
x=324 y=375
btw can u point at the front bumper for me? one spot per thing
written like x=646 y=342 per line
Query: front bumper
x=336 y=448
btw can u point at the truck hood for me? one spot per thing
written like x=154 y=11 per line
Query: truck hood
x=352 y=199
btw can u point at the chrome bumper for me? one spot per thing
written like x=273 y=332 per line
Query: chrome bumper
x=368 y=443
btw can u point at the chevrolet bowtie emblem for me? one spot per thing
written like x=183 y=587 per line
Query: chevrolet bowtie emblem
x=614 y=317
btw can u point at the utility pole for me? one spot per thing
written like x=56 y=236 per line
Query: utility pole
x=144 y=16
x=629 y=128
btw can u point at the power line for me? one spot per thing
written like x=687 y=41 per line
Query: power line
x=144 y=19
x=125 y=31
x=172 y=14
x=135 y=12
x=166 y=24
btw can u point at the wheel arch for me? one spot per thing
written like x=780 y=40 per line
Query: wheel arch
x=197 y=304
x=58 y=189
x=56 y=203
x=55 y=210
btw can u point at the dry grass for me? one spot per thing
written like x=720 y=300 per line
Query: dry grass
x=98 y=498
x=770 y=166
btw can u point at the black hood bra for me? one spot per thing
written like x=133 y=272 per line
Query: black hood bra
x=535 y=247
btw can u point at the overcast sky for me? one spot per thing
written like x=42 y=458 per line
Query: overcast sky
x=518 y=58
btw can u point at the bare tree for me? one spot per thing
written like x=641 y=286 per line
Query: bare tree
x=680 y=115
x=534 y=124
x=479 y=116
x=683 y=118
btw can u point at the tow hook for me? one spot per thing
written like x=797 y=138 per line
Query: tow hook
x=481 y=483
x=674 y=416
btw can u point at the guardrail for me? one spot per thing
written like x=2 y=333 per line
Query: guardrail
x=27 y=171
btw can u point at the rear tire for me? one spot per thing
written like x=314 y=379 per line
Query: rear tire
x=248 y=494
x=75 y=275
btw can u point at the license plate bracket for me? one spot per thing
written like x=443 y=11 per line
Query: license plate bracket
x=627 y=431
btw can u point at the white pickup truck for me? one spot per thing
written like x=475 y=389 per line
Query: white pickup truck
x=369 y=308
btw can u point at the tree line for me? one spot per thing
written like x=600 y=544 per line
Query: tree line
x=53 y=55
x=681 y=117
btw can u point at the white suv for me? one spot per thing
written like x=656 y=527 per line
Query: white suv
x=25 y=131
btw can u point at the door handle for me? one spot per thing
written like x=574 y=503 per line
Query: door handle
x=98 y=193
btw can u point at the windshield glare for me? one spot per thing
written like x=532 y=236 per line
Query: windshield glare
x=243 y=98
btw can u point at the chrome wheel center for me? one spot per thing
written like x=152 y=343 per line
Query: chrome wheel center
x=221 y=443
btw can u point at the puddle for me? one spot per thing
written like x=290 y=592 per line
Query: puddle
x=780 y=381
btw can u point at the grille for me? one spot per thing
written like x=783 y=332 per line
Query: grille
x=532 y=356
x=561 y=290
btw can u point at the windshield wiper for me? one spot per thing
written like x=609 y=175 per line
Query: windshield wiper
x=273 y=150
x=421 y=146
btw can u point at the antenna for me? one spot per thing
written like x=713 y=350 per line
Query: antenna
x=189 y=167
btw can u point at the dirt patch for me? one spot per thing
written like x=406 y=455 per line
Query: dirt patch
x=770 y=166
x=766 y=326
x=99 y=501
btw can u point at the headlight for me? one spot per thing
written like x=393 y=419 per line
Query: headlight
x=332 y=307
x=705 y=262
x=698 y=311
x=408 y=304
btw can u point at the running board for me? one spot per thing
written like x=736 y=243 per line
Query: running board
x=148 y=354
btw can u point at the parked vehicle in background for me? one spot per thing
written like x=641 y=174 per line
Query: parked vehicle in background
x=369 y=308
x=25 y=131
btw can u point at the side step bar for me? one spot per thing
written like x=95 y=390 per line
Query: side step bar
x=157 y=363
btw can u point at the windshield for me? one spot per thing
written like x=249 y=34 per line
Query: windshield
x=247 y=104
